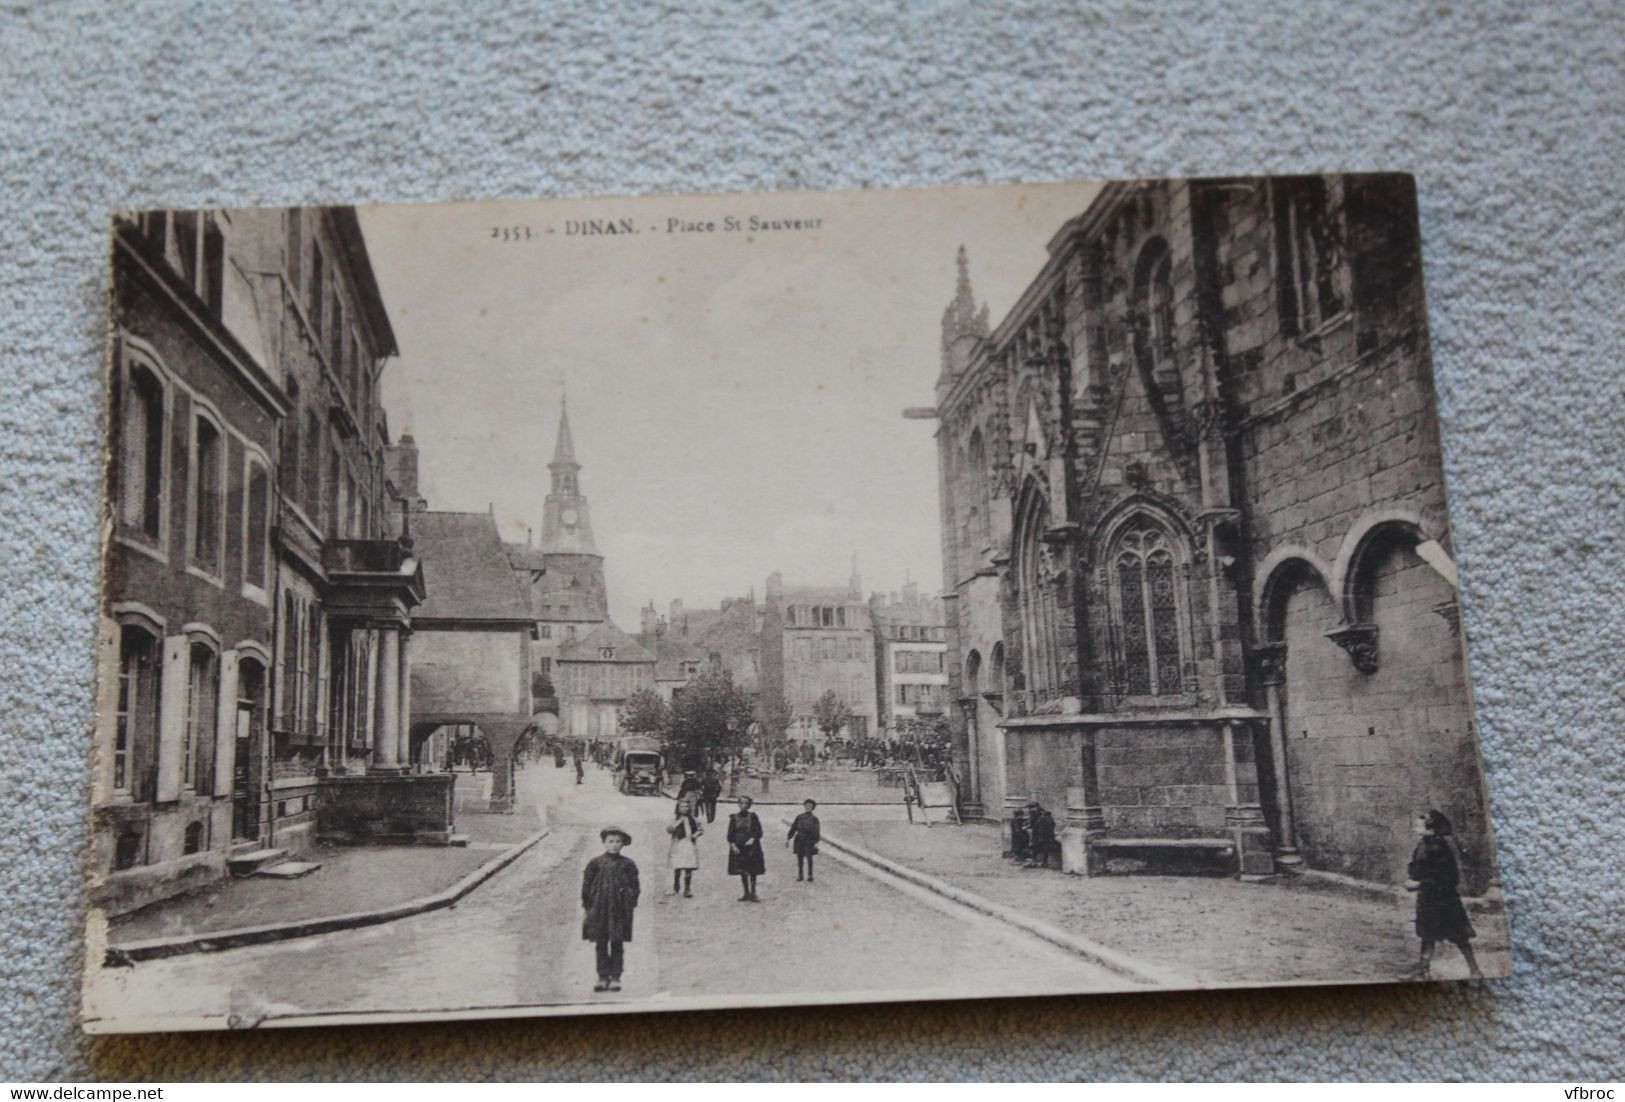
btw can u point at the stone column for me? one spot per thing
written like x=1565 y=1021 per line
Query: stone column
x=404 y=751
x=1085 y=817
x=1015 y=790
x=1272 y=672
x=386 y=749
x=970 y=802
x=1244 y=819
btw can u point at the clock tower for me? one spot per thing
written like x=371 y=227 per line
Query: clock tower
x=573 y=587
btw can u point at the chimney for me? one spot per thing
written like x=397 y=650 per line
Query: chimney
x=650 y=619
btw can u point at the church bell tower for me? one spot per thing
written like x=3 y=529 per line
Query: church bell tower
x=575 y=569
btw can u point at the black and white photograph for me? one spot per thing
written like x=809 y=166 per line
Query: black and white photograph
x=594 y=606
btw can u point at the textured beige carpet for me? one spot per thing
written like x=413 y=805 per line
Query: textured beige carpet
x=1510 y=114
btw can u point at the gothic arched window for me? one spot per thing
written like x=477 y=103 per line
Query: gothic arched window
x=981 y=493
x=1147 y=612
x=1154 y=305
x=1039 y=615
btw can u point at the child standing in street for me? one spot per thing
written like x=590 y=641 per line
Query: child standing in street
x=803 y=837
x=745 y=849
x=1434 y=875
x=683 y=855
x=609 y=895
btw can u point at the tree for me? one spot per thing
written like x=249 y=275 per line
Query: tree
x=709 y=718
x=645 y=713
x=831 y=713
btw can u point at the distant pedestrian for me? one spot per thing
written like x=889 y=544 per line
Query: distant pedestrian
x=1040 y=836
x=1434 y=874
x=710 y=790
x=683 y=855
x=803 y=838
x=733 y=780
x=745 y=849
x=691 y=785
x=580 y=772
x=609 y=895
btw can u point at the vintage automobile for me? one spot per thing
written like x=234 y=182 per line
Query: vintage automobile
x=640 y=766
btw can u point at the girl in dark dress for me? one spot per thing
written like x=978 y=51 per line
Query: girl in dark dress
x=1434 y=875
x=804 y=835
x=745 y=849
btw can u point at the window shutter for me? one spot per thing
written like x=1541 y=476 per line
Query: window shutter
x=225 y=726
x=172 y=717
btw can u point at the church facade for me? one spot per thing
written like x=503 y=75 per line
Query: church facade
x=1201 y=592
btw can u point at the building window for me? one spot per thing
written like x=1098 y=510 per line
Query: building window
x=981 y=490
x=308 y=680
x=317 y=290
x=544 y=665
x=288 y=681
x=127 y=850
x=355 y=373
x=135 y=724
x=547 y=631
x=141 y=449
x=256 y=543
x=312 y=495
x=1039 y=615
x=1306 y=255
x=193 y=842
x=335 y=347
x=296 y=249
x=202 y=706
x=1148 y=614
x=208 y=487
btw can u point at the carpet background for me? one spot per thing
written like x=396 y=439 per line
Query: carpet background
x=1509 y=113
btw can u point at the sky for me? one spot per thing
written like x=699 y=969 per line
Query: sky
x=735 y=395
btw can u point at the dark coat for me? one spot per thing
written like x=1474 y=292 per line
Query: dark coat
x=1439 y=913
x=690 y=784
x=745 y=845
x=805 y=833
x=609 y=894
x=710 y=786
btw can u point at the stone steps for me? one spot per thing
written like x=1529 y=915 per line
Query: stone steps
x=250 y=862
x=288 y=870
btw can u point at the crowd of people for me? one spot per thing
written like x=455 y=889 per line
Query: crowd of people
x=610 y=885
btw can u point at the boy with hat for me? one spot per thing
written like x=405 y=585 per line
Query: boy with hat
x=609 y=895
x=804 y=836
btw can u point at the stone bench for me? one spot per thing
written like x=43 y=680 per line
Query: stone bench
x=1175 y=856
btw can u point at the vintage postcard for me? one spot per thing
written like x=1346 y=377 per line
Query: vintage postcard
x=607 y=605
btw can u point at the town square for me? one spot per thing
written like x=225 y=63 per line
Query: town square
x=882 y=596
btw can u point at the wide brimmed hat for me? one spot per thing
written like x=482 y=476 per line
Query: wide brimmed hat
x=603 y=835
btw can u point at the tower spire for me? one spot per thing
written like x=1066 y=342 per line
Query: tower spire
x=564 y=451
x=962 y=323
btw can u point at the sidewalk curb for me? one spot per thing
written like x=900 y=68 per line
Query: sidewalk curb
x=1128 y=967
x=158 y=948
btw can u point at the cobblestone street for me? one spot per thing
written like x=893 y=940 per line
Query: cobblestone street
x=515 y=942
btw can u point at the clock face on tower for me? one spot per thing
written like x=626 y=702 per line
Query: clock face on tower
x=569 y=517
